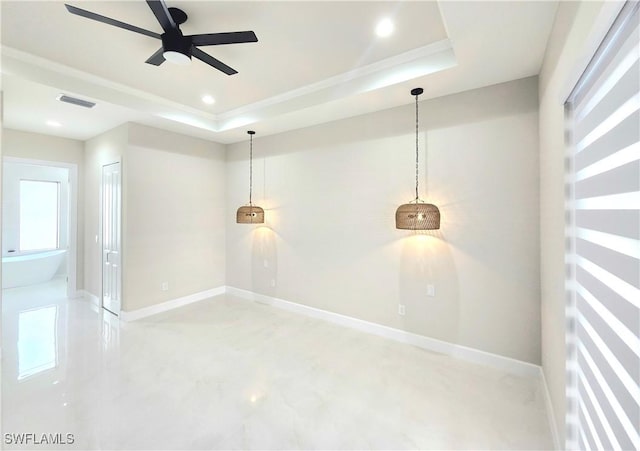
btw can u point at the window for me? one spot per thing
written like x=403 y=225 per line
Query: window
x=39 y=215
x=603 y=244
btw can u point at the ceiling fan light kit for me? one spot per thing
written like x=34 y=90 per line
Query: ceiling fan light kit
x=417 y=215
x=175 y=57
x=176 y=47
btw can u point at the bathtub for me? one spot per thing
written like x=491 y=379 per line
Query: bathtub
x=28 y=269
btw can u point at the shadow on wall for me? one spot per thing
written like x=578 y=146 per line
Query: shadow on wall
x=426 y=260
x=264 y=261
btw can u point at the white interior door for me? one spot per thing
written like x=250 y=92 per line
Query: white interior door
x=111 y=242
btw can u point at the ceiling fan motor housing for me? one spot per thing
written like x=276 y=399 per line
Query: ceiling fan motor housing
x=174 y=41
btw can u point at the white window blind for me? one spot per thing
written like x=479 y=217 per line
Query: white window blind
x=603 y=244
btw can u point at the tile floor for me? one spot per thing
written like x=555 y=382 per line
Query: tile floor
x=231 y=374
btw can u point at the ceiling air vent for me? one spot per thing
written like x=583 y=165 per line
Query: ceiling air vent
x=74 y=101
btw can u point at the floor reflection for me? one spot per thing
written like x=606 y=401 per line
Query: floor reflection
x=110 y=330
x=37 y=343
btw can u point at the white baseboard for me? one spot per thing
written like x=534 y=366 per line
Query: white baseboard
x=89 y=297
x=170 y=305
x=551 y=416
x=462 y=352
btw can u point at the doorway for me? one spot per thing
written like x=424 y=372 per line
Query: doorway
x=40 y=214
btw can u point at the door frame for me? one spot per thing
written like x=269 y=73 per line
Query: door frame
x=72 y=245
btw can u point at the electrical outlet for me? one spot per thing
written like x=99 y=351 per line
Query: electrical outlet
x=165 y=286
x=431 y=290
x=266 y=263
x=273 y=282
x=401 y=309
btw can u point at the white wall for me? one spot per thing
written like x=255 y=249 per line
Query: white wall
x=35 y=146
x=330 y=194
x=16 y=143
x=579 y=28
x=175 y=208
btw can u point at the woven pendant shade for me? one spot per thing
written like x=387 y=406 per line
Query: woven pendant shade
x=250 y=214
x=417 y=216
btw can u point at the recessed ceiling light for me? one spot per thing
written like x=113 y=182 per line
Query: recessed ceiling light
x=209 y=100
x=51 y=123
x=384 y=28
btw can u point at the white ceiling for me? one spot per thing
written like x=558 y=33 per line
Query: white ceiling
x=314 y=62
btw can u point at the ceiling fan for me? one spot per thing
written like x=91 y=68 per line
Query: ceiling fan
x=176 y=47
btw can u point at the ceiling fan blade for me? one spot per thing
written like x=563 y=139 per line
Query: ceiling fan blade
x=109 y=21
x=161 y=12
x=236 y=37
x=211 y=61
x=157 y=58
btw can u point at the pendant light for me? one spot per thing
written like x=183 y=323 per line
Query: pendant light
x=417 y=215
x=250 y=214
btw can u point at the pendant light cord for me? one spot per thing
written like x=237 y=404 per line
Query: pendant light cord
x=417 y=148
x=250 y=167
